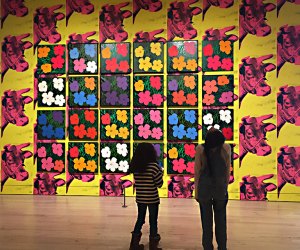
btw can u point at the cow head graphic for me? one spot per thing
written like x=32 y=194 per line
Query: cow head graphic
x=220 y=34
x=80 y=6
x=111 y=22
x=12 y=7
x=252 y=76
x=180 y=17
x=253 y=136
x=45 y=25
x=253 y=18
x=46 y=184
x=180 y=187
x=149 y=5
x=288 y=167
x=255 y=189
x=288 y=46
x=82 y=38
x=13 y=103
x=13 y=49
x=78 y=176
x=142 y=36
x=280 y=3
x=13 y=157
x=288 y=106
x=112 y=185
x=224 y=4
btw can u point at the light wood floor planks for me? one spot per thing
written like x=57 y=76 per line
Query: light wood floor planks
x=68 y=222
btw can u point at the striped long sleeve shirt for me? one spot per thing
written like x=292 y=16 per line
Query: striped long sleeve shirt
x=147 y=184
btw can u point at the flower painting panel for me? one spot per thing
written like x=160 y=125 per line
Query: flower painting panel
x=159 y=149
x=115 y=58
x=83 y=58
x=217 y=90
x=182 y=90
x=115 y=124
x=115 y=91
x=83 y=91
x=83 y=158
x=148 y=124
x=51 y=59
x=148 y=91
x=217 y=56
x=182 y=56
x=52 y=92
x=148 y=57
x=114 y=157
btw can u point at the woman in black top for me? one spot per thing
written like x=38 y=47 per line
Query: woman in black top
x=148 y=177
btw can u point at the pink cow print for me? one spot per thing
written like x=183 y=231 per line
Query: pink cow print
x=112 y=185
x=252 y=76
x=255 y=189
x=46 y=184
x=288 y=167
x=81 y=177
x=253 y=136
x=253 y=18
x=224 y=4
x=12 y=7
x=13 y=49
x=180 y=20
x=220 y=34
x=180 y=187
x=13 y=103
x=111 y=22
x=82 y=38
x=288 y=46
x=13 y=167
x=280 y=3
x=288 y=106
x=79 y=6
x=149 y=5
x=45 y=25
x=142 y=36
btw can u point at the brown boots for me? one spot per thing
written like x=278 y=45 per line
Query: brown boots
x=135 y=242
x=153 y=242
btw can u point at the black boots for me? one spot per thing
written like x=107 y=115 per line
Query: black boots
x=135 y=242
x=153 y=242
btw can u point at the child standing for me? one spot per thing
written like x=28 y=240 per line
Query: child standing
x=148 y=177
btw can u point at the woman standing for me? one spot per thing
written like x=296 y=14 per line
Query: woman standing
x=212 y=173
x=148 y=177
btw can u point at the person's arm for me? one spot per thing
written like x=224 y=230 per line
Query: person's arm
x=228 y=160
x=197 y=170
x=158 y=177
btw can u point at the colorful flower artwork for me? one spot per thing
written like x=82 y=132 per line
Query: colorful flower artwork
x=182 y=56
x=182 y=124
x=159 y=148
x=217 y=90
x=83 y=58
x=52 y=92
x=148 y=124
x=83 y=91
x=148 y=57
x=221 y=119
x=115 y=58
x=148 y=91
x=114 y=157
x=217 y=56
x=50 y=124
x=181 y=158
x=83 y=158
x=51 y=59
x=83 y=124
x=115 y=91
x=115 y=124
x=182 y=90
x=51 y=157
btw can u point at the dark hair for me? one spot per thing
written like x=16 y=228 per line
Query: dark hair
x=143 y=155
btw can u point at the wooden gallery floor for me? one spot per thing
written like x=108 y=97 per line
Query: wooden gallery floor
x=37 y=222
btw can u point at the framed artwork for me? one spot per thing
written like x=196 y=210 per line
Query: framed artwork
x=51 y=59
x=182 y=56
x=83 y=158
x=83 y=124
x=52 y=92
x=148 y=57
x=83 y=58
x=115 y=91
x=159 y=148
x=115 y=58
x=115 y=124
x=217 y=56
x=182 y=90
x=50 y=124
x=182 y=124
x=148 y=91
x=83 y=91
x=148 y=124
